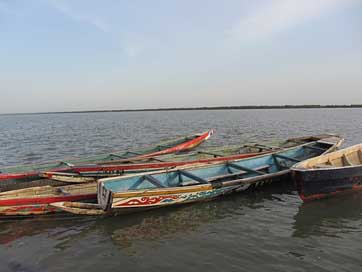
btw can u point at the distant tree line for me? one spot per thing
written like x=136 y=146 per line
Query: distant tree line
x=216 y=108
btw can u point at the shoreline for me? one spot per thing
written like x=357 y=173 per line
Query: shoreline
x=351 y=106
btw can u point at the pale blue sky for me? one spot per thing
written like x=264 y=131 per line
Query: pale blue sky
x=58 y=55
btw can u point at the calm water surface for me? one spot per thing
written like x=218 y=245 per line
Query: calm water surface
x=270 y=230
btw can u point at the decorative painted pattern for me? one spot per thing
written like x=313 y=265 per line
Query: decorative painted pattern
x=149 y=200
x=27 y=209
x=168 y=199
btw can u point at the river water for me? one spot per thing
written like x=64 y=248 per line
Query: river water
x=268 y=230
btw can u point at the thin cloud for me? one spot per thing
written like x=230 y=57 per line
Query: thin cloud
x=281 y=15
x=68 y=11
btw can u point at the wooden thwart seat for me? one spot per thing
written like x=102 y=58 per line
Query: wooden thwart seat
x=149 y=178
x=154 y=159
x=359 y=152
x=261 y=147
x=346 y=161
x=240 y=173
x=124 y=156
x=268 y=146
x=192 y=176
x=116 y=156
x=281 y=166
x=154 y=181
x=210 y=153
x=314 y=148
x=286 y=158
x=243 y=168
x=198 y=180
x=133 y=153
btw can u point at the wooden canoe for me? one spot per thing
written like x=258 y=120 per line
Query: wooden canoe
x=89 y=173
x=36 y=200
x=85 y=174
x=330 y=174
x=93 y=172
x=177 y=145
x=184 y=185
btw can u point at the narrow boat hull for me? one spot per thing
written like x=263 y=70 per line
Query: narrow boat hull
x=318 y=184
x=39 y=206
x=133 y=204
x=190 y=184
x=36 y=201
x=33 y=171
x=91 y=173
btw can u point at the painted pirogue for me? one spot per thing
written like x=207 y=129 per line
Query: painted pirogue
x=88 y=173
x=185 y=185
x=168 y=147
x=330 y=174
x=37 y=200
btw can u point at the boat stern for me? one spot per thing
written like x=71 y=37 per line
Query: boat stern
x=104 y=196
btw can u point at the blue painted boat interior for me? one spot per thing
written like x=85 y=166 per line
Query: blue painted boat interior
x=175 y=179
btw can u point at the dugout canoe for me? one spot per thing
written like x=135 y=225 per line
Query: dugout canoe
x=36 y=200
x=87 y=173
x=168 y=147
x=330 y=174
x=185 y=185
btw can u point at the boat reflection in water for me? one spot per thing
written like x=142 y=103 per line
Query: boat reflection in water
x=333 y=217
x=176 y=221
x=12 y=230
x=154 y=226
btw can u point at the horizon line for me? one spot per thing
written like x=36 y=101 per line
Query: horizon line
x=249 y=107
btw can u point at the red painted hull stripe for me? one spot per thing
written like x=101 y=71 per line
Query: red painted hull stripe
x=45 y=200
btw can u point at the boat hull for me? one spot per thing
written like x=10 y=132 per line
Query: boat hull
x=192 y=184
x=27 y=210
x=329 y=174
x=29 y=172
x=85 y=173
x=127 y=204
x=39 y=206
x=323 y=183
x=35 y=201
x=165 y=199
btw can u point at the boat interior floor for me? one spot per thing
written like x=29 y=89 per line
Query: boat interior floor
x=353 y=158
